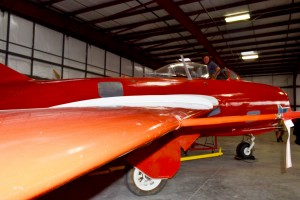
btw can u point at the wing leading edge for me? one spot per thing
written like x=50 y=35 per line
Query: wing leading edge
x=54 y=146
x=45 y=148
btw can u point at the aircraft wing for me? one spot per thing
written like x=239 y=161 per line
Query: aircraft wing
x=42 y=149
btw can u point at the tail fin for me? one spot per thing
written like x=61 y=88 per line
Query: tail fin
x=9 y=75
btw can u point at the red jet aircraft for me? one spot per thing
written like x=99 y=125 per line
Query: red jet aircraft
x=147 y=120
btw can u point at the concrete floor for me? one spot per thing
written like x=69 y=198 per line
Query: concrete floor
x=211 y=178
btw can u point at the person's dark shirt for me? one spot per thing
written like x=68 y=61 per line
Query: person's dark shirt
x=212 y=66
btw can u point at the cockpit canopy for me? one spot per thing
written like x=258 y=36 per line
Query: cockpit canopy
x=178 y=70
x=195 y=70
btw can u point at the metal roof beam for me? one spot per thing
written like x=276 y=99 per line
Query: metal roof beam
x=262 y=55
x=186 y=22
x=258 y=27
x=96 y=7
x=50 y=2
x=59 y=22
x=261 y=14
x=124 y=12
x=136 y=12
x=263 y=61
x=220 y=48
x=197 y=12
x=275 y=33
x=195 y=56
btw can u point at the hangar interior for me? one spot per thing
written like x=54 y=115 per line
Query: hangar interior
x=129 y=38
x=64 y=39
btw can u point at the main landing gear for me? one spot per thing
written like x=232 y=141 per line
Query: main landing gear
x=140 y=184
x=244 y=149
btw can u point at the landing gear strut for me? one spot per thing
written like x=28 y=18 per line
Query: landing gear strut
x=244 y=149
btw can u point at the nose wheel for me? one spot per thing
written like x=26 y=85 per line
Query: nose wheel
x=244 y=149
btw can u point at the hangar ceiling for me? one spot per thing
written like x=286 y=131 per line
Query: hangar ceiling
x=157 y=32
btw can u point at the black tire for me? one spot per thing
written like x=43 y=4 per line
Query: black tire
x=241 y=150
x=143 y=185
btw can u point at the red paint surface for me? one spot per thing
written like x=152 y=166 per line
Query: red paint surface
x=45 y=148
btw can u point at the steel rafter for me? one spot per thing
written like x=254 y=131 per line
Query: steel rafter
x=185 y=21
x=57 y=21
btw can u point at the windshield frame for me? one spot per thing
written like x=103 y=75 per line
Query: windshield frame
x=196 y=70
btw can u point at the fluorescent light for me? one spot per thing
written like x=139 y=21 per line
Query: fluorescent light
x=246 y=53
x=185 y=59
x=234 y=18
x=255 y=56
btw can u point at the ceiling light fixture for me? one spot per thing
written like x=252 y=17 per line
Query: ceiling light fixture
x=237 y=17
x=247 y=55
x=250 y=57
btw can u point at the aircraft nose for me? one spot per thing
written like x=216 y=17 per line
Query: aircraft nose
x=284 y=98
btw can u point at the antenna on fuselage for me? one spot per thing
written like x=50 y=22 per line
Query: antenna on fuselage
x=186 y=69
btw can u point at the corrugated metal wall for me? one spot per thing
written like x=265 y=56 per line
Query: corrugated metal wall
x=36 y=50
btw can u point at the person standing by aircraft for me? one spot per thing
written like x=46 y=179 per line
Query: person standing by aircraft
x=297 y=130
x=279 y=133
x=213 y=68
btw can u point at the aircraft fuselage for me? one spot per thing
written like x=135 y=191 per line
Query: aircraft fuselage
x=235 y=97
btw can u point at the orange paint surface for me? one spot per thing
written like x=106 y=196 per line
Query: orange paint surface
x=209 y=121
x=44 y=148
